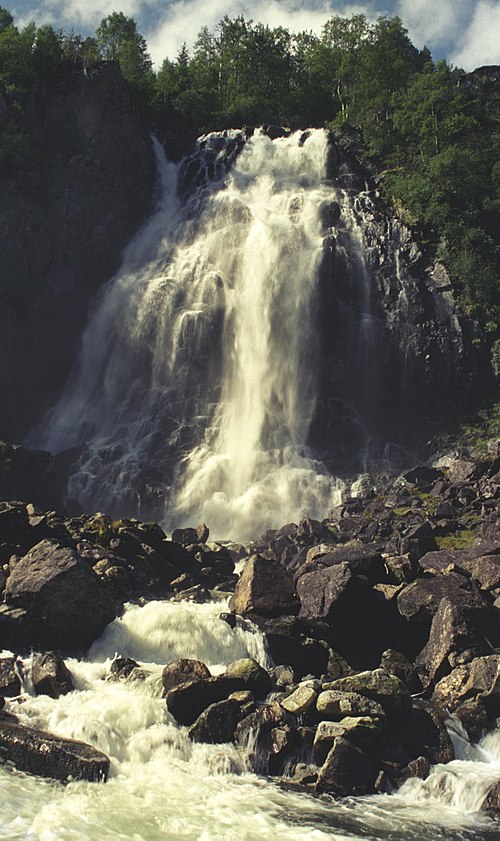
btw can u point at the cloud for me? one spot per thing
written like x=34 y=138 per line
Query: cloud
x=435 y=22
x=76 y=14
x=183 y=19
x=480 y=44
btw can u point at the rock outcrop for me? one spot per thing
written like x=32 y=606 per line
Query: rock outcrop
x=64 y=221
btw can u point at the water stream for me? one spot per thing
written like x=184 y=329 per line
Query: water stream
x=162 y=787
x=197 y=382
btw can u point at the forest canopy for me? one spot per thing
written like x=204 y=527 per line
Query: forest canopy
x=431 y=129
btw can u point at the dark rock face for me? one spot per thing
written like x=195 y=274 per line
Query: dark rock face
x=491 y=803
x=46 y=755
x=56 y=587
x=51 y=675
x=58 y=245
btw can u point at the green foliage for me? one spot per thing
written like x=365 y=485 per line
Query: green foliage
x=432 y=128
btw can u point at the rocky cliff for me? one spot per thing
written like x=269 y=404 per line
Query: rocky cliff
x=64 y=219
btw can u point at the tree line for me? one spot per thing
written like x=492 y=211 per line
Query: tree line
x=432 y=129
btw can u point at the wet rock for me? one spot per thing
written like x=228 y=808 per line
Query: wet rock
x=335 y=705
x=290 y=746
x=253 y=734
x=264 y=587
x=51 y=676
x=289 y=644
x=491 y=803
x=47 y=755
x=122 y=668
x=478 y=679
x=182 y=671
x=475 y=719
x=67 y=605
x=418 y=768
x=188 y=700
x=283 y=676
x=300 y=700
x=252 y=675
x=347 y=771
x=380 y=686
x=10 y=685
x=216 y=724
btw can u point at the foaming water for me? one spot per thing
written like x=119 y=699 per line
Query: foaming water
x=164 y=787
x=197 y=382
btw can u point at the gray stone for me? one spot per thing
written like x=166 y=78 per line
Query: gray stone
x=216 y=724
x=51 y=675
x=335 y=705
x=299 y=701
x=47 y=755
x=347 y=771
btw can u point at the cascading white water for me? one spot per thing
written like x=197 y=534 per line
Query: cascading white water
x=163 y=787
x=205 y=346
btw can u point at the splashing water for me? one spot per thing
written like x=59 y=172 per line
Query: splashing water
x=197 y=381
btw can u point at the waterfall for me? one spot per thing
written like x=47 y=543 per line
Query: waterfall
x=197 y=382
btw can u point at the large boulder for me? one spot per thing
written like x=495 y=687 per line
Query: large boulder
x=361 y=559
x=478 y=679
x=182 y=671
x=51 y=676
x=47 y=755
x=216 y=724
x=380 y=686
x=188 y=700
x=251 y=673
x=334 y=705
x=10 y=685
x=362 y=731
x=452 y=637
x=491 y=803
x=264 y=587
x=67 y=605
x=423 y=733
x=347 y=770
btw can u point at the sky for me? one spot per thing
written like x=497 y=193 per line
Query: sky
x=464 y=32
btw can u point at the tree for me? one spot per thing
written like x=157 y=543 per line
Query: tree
x=117 y=39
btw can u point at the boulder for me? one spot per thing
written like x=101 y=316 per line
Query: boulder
x=67 y=604
x=418 y=540
x=10 y=685
x=253 y=734
x=478 y=679
x=122 y=667
x=347 y=771
x=334 y=705
x=182 y=671
x=475 y=718
x=491 y=803
x=299 y=701
x=188 y=700
x=380 y=686
x=288 y=643
x=362 y=731
x=253 y=676
x=290 y=746
x=47 y=755
x=397 y=664
x=51 y=676
x=452 y=636
x=420 y=600
x=485 y=570
x=265 y=588
x=216 y=724
x=361 y=559
x=423 y=733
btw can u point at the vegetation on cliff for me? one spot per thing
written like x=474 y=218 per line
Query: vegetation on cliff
x=429 y=128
